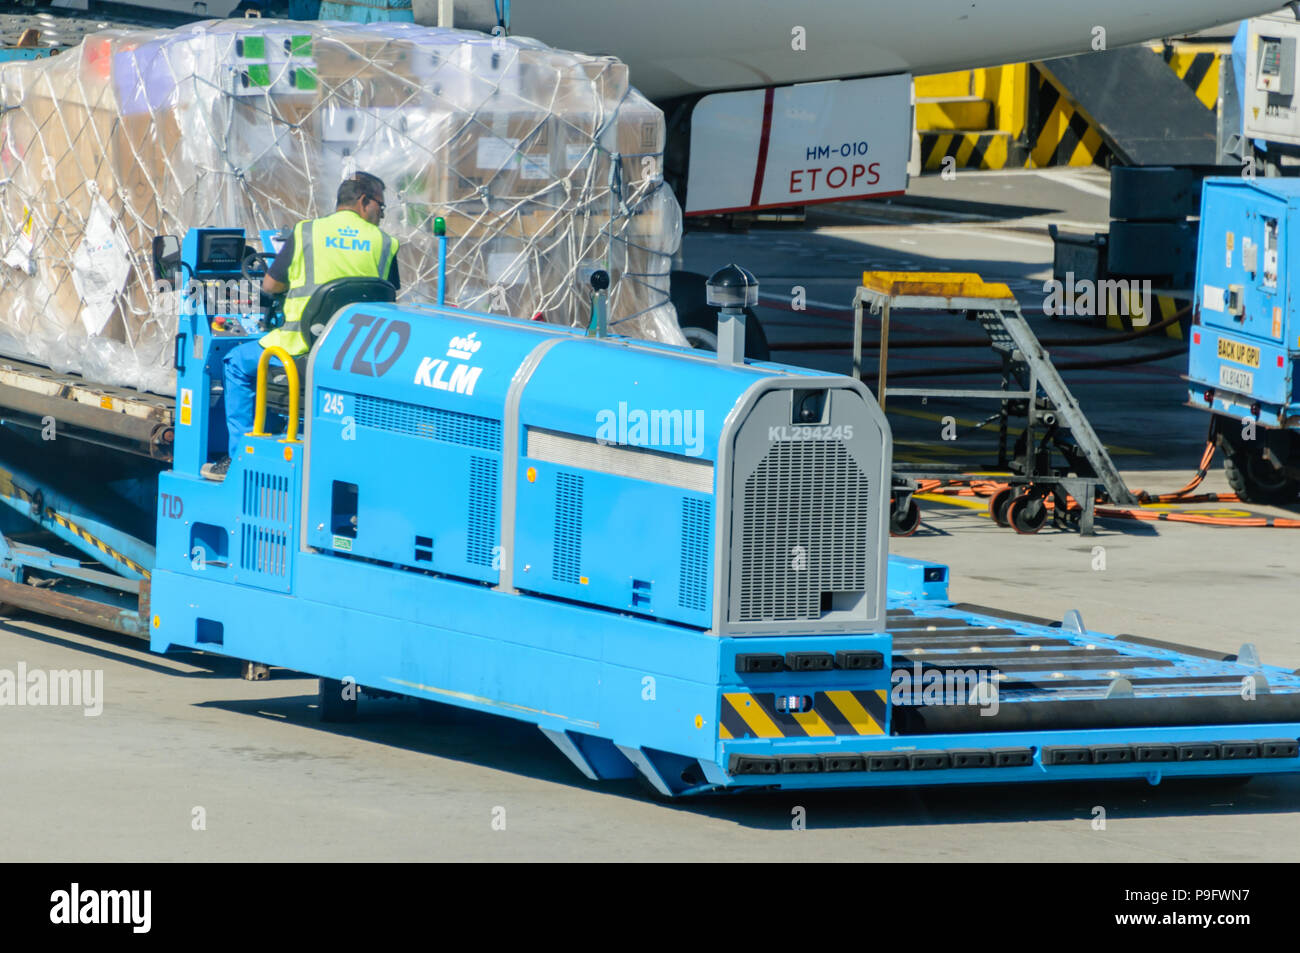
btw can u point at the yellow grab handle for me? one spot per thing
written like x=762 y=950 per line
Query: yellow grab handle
x=291 y=371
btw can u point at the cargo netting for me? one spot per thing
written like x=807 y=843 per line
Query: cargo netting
x=546 y=165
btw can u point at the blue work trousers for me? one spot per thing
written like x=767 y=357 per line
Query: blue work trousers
x=240 y=372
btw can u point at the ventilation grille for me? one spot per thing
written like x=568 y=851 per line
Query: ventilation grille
x=804 y=531
x=263 y=550
x=566 y=553
x=265 y=524
x=697 y=535
x=395 y=416
x=484 y=492
x=266 y=496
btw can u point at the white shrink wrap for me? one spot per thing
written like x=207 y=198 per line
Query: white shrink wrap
x=544 y=164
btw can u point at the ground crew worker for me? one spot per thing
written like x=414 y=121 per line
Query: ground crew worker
x=348 y=243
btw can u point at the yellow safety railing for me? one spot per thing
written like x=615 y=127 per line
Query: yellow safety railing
x=291 y=371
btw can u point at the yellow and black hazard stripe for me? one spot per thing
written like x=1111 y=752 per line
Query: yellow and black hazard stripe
x=98 y=543
x=1164 y=306
x=9 y=488
x=1198 y=68
x=968 y=150
x=1061 y=134
x=754 y=715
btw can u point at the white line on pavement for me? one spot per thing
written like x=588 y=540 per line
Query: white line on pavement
x=1076 y=182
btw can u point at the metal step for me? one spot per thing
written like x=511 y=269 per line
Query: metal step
x=1010 y=334
x=958 y=83
x=1028 y=377
x=953 y=114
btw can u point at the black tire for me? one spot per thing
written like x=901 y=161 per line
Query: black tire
x=333 y=706
x=1027 y=514
x=1255 y=480
x=906 y=524
x=999 y=503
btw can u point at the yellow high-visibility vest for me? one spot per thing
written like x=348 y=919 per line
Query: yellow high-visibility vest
x=342 y=245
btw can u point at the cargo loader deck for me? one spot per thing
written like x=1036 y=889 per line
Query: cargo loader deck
x=118 y=417
x=1050 y=677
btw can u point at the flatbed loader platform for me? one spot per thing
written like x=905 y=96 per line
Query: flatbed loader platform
x=975 y=695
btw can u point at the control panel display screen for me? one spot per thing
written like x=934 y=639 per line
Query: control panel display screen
x=221 y=252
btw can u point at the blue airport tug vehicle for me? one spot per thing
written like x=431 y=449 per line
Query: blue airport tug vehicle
x=674 y=563
x=1245 y=345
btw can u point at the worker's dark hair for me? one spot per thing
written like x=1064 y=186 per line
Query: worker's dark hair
x=360 y=185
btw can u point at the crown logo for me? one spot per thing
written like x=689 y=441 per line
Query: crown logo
x=462 y=349
x=348 y=232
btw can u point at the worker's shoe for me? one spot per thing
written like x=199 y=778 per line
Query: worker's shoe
x=216 y=471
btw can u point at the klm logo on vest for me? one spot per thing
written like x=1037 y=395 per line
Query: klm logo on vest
x=346 y=240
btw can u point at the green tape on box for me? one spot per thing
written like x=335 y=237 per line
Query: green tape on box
x=300 y=46
x=259 y=74
x=304 y=77
x=254 y=47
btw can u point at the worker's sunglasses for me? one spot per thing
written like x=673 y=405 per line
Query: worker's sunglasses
x=381 y=205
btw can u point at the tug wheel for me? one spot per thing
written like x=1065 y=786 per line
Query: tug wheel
x=1256 y=480
x=999 y=503
x=333 y=706
x=1026 y=514
x=906 y=524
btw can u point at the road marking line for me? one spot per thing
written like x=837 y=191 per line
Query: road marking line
x=1075 y=182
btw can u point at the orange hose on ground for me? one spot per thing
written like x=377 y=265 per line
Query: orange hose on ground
x=1119 y=513
x=973 y=486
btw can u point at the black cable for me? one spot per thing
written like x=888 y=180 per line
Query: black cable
x=1068 y=366
x=984 y=341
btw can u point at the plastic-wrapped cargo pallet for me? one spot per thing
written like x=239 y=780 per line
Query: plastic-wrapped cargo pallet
x=545 y=164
